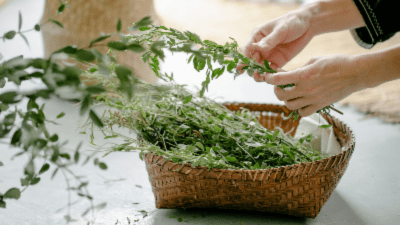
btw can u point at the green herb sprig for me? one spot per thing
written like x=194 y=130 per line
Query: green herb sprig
x=187 y=128
x=202 y=54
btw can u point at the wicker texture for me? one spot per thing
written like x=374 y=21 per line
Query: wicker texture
x=299 y=190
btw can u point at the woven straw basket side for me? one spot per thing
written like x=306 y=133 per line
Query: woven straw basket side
x=299 y=190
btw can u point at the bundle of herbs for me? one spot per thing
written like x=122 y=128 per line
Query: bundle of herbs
x=186 y=128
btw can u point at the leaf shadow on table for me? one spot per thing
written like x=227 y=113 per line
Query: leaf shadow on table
x=335 y=211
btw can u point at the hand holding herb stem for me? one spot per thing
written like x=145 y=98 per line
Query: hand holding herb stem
x=228 y=55
x=280 y=40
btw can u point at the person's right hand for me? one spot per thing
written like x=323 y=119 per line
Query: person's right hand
x=279 y=40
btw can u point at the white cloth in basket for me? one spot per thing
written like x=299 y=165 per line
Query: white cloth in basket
x=325 y=140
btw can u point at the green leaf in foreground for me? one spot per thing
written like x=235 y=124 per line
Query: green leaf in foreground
x=117 y=45
x=102 y=166
x=101 y=38
x=14 y=193
x=325 y=126
x=35 y=180
x=10 y=34
x=187 y=99
x=57 y=23
x=85 y=55
x=44 y=168
x=19 y=21
x=24 y=38
x=231 y=159
x=119 y=25
x=61 y=115
x=143 y=22
x=95 y=119
x=61 y=8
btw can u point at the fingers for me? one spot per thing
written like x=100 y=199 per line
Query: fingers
x=269 y=42
x=308 y=110
x=282 y=78
x=297 y=103
x=301 y=105
x=257 y=77
x=287 y=93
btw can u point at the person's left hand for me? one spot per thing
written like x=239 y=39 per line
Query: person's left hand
x=319 y=83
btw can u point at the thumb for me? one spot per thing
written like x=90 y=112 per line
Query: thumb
x=269 y=42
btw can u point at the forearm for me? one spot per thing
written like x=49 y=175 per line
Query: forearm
x=379 y=67
x=331 y=15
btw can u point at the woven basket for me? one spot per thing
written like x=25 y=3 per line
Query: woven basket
x=298 y=190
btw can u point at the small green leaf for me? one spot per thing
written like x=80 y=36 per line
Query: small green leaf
x=44 y=168
x=231 y=66
x=66 y=49
x=61 y=8
x=54 y=173
x=37 y=27
x=102 y=166
x=35 y=180
x=61 y=115
x=101 y=206
x=76 y=157
x=2 y=204
x=200 y=145
x=25 y=181
x=2 y=82
x=295 y=116
x=187 y=99
x=113 y=136
x=57 y=23
x=325 y=126
x=19 y=21
x=65 y=155
x=101 y=38
x=231 y=159
x=117 y=45
x=54 y=138
x=143 y=22
x=85 y=104
x=97 y=89
x=95 y=119
x=119 y=25
x=85 y=55
x=144 y=28
x=10 y=34
x=86 y=212
x=25 y=39
x=136 y=47
x=13 y=193
x=16 y=137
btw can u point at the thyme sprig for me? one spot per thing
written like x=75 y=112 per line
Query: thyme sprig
x=202 y=54
x=188 y=128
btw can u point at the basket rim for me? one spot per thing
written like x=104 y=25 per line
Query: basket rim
x=350 y=146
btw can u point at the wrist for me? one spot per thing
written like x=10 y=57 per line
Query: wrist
x=332 y=15
x=378 y=67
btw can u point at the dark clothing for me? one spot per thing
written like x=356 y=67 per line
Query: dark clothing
x=380 y=19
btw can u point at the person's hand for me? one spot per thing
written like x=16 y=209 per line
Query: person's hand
x=279 y=40
x=321 y=82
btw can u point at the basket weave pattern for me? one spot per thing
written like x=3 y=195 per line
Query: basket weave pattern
x=299 y=190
